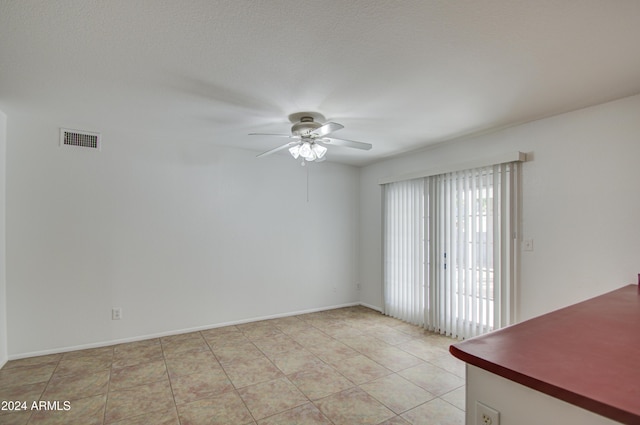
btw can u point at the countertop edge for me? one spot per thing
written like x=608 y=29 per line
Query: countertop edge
x=568 y=396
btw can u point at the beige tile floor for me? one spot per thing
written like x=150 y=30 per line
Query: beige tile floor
x=345 y=366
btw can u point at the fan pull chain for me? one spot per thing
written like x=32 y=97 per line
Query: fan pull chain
x=307 y=183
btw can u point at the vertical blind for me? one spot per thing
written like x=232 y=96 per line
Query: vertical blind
x=404 y=291
x=449 y=250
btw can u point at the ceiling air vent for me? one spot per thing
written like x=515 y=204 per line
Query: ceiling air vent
x=76 y=138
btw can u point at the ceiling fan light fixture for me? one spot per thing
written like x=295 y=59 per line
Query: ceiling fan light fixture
x=309 y=151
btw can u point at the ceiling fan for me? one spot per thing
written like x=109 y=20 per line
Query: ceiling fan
x=309 y=137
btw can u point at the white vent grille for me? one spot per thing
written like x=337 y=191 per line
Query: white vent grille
x=76 y=138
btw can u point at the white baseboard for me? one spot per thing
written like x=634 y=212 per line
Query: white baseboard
x=176 y=332
x=372 y=307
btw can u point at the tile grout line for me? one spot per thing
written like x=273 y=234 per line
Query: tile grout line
x=166 y=366
x=45 y=387
x=235 y=389
x=274 y=365
x=293 y=383
x=106 y=398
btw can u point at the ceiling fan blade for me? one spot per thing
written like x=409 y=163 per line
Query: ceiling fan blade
x=327 y=128
x=272 y=134
x=279 y=148
x=347 y=143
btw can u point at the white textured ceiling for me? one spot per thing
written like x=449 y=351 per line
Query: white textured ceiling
x=397 y=74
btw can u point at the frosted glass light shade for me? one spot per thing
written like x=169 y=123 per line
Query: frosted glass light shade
x=295 y=151
x=305 y=150
x=319 y=150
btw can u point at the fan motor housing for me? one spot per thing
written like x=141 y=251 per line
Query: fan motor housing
x=304 y=126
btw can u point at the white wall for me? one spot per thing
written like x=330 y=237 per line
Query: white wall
x=3 y=268
x=581 y=203
x=177 y=233
x=520 y=405
x=182 y=235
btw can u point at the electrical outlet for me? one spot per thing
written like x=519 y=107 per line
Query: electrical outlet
x=527 y=245
x=116 y=313
x=485 y=415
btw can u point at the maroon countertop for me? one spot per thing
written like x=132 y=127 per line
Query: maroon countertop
x=587 y=354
